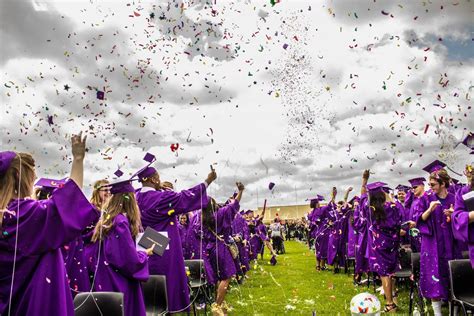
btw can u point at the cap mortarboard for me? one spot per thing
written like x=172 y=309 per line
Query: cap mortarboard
x=121 y=187
x=376 y=186
x=317 y=198
x=402 y=187
x=49 y=185
x=6 y=158
x=469 y=140
x=417 y=181
x=146 y=171
x=434 y=166
x=271 y=185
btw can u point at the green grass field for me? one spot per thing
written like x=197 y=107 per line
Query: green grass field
x=294 y=287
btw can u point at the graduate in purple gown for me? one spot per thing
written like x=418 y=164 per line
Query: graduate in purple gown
x=241 y=232
x=183 y=228
x=159 y=207
x=416 y=202
x=255 y=243
x=38 y=285
x=401 y=198
x=462 y=217
x=361 y=230
x=73 y=253
x=119 y=266
x=351 y=234
x=437 y=243
x=337 y=240
x=217 y=230
x=384 y=220
x=319 y=217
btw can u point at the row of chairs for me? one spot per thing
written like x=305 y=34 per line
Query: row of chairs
x=154 y=292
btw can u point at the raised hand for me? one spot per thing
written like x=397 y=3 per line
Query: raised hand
x=211 y=176
x=78 y=145
x=240 y=186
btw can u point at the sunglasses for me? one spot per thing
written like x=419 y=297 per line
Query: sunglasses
x=433 y=184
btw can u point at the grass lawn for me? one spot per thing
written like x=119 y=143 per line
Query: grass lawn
x=294 y=287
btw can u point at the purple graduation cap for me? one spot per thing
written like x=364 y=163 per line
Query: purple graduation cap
x=318 y=198
x=248 y=212
x=387 y=189
x=49 y=185
x=376 y=186
x=435 y=166
x=100 y=95
x=146 y=171
x=118 y=173
x=120 y=187
x=402 y=187
x=355 y=198
x=469 y=141
x=271 y=185
x=273 y=260
x=455 y=181
x=417 y=181
x=6 y=158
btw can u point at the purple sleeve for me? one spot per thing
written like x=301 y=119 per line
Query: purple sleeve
x=47 y=225
x=425 y=227
x=462 y=230
x=226 y=214
x=121 y=253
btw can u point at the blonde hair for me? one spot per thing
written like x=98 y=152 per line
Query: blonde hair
x=95 y=199
x=10 y=181
x=119 y=203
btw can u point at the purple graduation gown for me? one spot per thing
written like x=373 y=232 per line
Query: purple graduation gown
x=158 y=210
x=384 y=240
x=320 y=217
x=437 y=248
x=121 y=267
x=462 y=229
x=241 y=229
x=40 y=286
x=183 y=235
x=415 y=205
x=255 y=243
x=351 y=235
x=76 y=266
x=361 y=230
x=338 y=236
x=217 y=251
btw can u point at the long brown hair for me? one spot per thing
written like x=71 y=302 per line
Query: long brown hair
x=377 y=205
x=95 y=199
x=119 y=203
x=10 y=181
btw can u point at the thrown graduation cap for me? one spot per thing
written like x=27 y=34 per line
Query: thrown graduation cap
x=49 y=185
x=376 y=186
x=316 y=199
x=147 y=170
x=118 y=173
x=271 y=185
x=100 y=95
x=120 y=187
x=402 y=187
x=434 y=166
x=469 y=141
x=417 y=181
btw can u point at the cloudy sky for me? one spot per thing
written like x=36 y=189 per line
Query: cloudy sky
x=305 y=94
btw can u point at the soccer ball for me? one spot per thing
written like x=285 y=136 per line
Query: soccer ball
x=365 y=304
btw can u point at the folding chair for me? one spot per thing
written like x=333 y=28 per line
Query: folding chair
x=98 y=304
x=461 y=276
x=349 y=261
x=415 y=277
x=197 y=281
x=156 y=298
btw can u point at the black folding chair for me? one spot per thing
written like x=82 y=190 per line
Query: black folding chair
x=349 y=261
x=99 y=304
x=461 y=276
x=415 y=277
x=198 y=282
x=405 y=263
x=156 y=298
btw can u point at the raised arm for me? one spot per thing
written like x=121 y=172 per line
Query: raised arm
x=365 y=179
x=241 y=188
x=346 y=195
x=78 y=153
